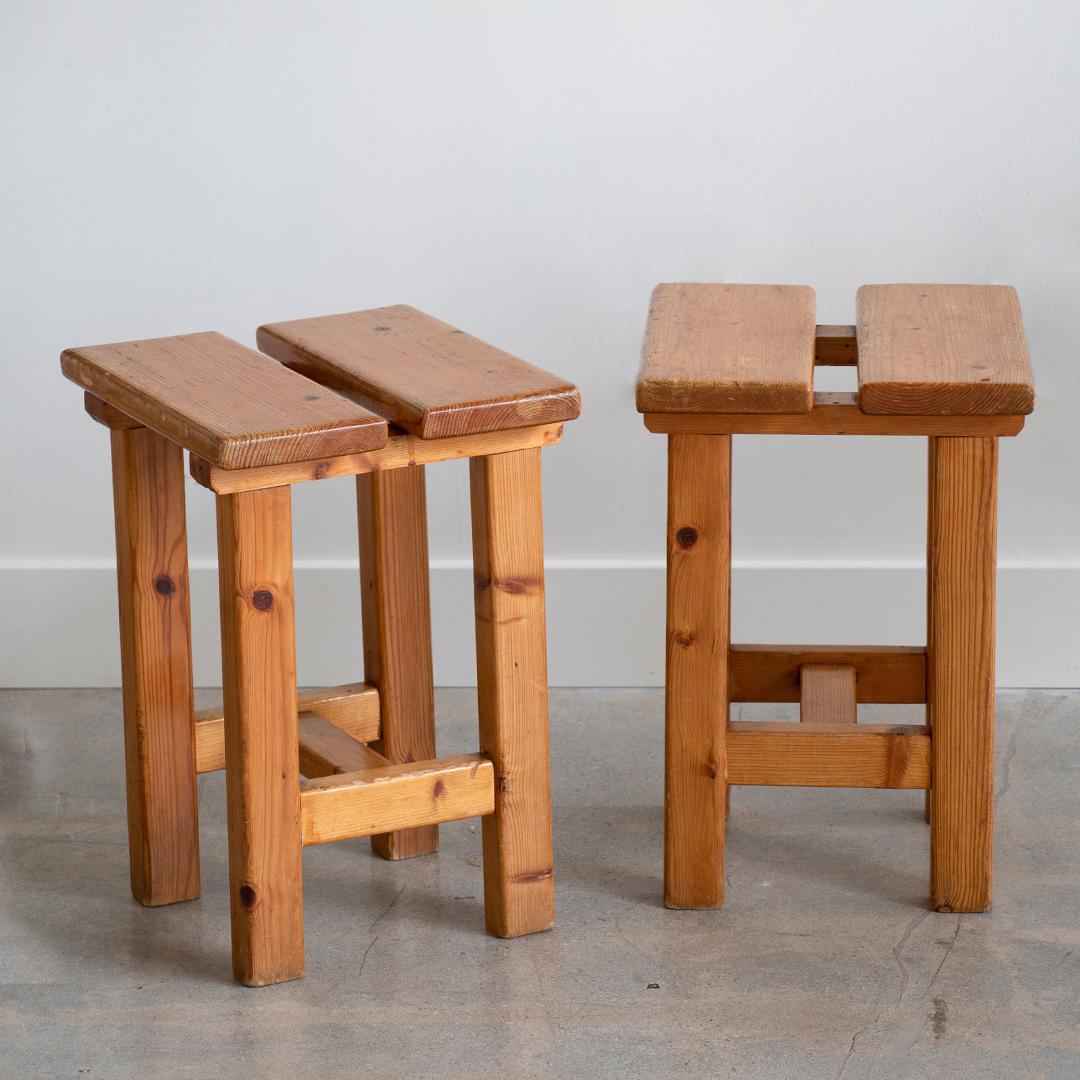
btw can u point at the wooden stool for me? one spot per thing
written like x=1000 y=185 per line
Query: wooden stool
x=253 y=428
x=944 y=361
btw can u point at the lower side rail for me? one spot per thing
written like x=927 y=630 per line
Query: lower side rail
x=372 y=801
x=828 y=755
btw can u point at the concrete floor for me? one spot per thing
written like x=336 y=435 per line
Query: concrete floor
x=825 y=962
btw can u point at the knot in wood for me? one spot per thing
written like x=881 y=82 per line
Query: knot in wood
x=686 y=537
x=164 y=585
x=262 y=600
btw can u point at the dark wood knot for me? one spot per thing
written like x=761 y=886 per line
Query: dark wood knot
x=263 y=600
x=164 y=585
x=686 y=537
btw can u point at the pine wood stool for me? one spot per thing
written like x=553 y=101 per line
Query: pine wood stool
x=948 y=362
x=376 y=394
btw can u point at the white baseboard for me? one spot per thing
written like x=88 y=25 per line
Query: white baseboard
x=58 y=622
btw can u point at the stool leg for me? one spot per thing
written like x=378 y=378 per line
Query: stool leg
x=961 y=671
x=696 y=695
x=928 y=795
x=395 y=597
x=261 y=761
x=155 y=651
x=512 y=690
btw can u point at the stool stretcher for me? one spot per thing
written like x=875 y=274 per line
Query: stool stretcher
x=354 y=708
x=381 y=800
x=828 y=755
x=884 y=674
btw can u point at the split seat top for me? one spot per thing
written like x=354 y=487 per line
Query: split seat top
x=344 y=379
x=920 y=350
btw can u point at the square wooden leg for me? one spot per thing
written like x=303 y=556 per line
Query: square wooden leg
x=696 y=696
x=928 y=795
x=511 y=669
x=395 y=596
x=960 y=652
x=155 y=650
x=261 y=759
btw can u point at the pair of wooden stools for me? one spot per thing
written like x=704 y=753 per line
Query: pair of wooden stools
x=379 y=394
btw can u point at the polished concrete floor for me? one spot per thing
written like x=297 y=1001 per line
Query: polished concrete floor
x=825 y=962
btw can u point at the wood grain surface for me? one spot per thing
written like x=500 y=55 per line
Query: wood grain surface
x=962 y=573
x=828 y=755
x=423 y=374
x=891 y=674
x=942 y=350
x=396 y=798
x=828 y=694
x=400 y=450
x=834 y=413
x=696 y=694
x=396 y=605
x=353 y=707
x=728 y=349
x=262 y=776
x=326 y=750
x=512 y=689
x=155 y=657
x=228 y=404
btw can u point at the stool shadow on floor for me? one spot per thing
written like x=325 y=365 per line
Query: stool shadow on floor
x=75 y=907
x=866 y=848
x=444 y=890
x=71 y=898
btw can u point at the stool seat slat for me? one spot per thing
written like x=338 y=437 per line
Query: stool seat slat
x=942 y=350
x=728 y=349
x=421 y=373
x=226 y=403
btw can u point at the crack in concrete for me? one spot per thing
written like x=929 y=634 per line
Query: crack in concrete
x=855 y=1038
x=905 y=978
x=386 y=910
x=847 y=1056
x=948 y=953
x=1010 y=753
x=363 y=959
x=898 y=951
x=378 y=919
x=545 y=1004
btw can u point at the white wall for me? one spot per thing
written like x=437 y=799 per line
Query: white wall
x=528 y=172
